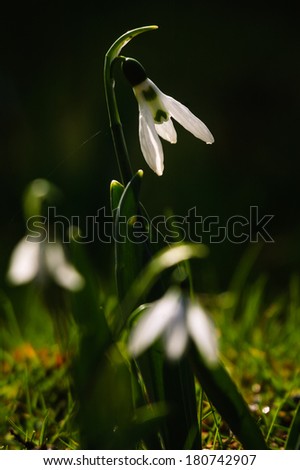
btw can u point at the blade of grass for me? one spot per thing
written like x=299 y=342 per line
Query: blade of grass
x=275 y=416
x=216 y=419
x=42 y=438
x=241 y=275
x=252 y=308
x=12 y=329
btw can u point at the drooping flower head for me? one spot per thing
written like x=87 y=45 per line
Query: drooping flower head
x=36 y=257
x=155 y=112
x=42 y=261
x=175 y=318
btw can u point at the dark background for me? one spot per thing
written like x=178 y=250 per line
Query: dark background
x=236 y=65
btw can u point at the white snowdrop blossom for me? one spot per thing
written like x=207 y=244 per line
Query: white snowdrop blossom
x=156 y=111
x=42 y=260
x=175 y=319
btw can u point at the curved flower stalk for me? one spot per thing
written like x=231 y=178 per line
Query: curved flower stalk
x=155 y=112
x=109 y=84
x=175 y=318
x=42 y=261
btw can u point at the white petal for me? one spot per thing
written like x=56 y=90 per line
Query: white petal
x=153 y=323
x=62 y=272
x=187 y=119
x=24 y=262
x=149 y=140
x=176 y=337
x=167 y=131
x=203 y=333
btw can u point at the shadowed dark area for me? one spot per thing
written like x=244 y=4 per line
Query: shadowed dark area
x=235 y=68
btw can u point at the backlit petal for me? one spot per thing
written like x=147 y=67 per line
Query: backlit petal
x=60 y=269
x=167 y=131
x=176 y=336
x=153 y=323
x=150 y=144
x=202 y=331
x=187 y=119
x=24 y=262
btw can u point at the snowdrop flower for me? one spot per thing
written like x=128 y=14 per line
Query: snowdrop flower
x=42 y=261
x=175 y=318
x=155 y=112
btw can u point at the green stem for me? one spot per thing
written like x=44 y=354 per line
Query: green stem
x=116 y=125
x=112 y=107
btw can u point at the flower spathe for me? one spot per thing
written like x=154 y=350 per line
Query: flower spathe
x=156 y=111
x=175 y=318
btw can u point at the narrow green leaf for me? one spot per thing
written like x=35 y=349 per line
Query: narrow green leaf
x=92 y=372
x=229 y=402
x=165 y=259
x=129 y=253
x=87 y=313
x=42 y=438
x=182 y=428
x=293 y=440
x=105 y=406
x=116 y=191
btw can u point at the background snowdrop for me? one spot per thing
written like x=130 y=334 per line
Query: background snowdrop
x=44 y=262
x=175 y=318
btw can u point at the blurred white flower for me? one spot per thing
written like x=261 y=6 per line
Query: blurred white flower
x=175 y=318
x=42 y=260
x=155 y=112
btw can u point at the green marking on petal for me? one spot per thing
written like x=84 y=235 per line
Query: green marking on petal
x=149 y=94
x=160 y=116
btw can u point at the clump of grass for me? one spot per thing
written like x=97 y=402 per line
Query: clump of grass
x=36 y=403
x=38 y=408
x=260 y=348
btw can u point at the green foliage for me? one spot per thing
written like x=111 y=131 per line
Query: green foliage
x=129 y=254
x=38 y=405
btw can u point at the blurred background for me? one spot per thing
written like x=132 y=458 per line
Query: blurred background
x=236 y=67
